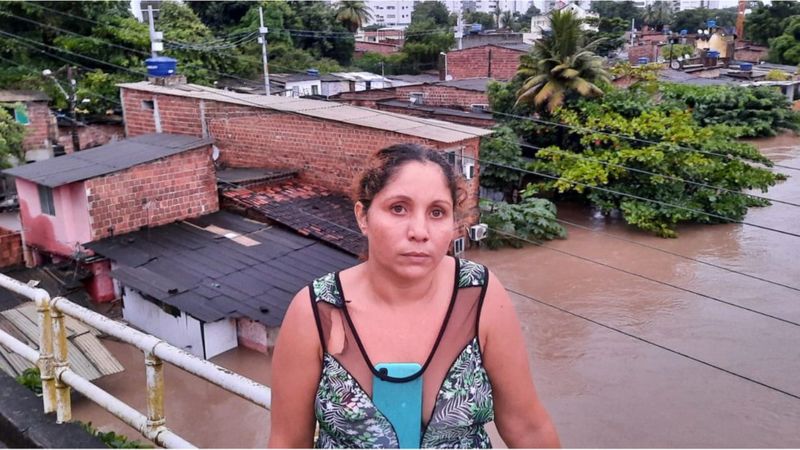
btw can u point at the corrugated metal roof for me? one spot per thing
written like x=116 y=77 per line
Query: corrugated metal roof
x=470 y=84
x=22 y=96
x=382 y=120
x=105 y=159
x=203 y=268
x=87 y=355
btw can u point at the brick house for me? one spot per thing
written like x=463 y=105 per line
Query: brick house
x=30 y=109
x=328 y=142
x=498 y=61
x=109 y=190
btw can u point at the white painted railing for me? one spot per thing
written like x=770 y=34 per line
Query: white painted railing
x=57 y=378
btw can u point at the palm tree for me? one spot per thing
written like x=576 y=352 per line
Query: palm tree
x=559 y=66
x=353 y=14
x=657 y=14
x=506 y=18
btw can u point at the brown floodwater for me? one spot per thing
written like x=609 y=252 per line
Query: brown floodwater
x=619 y=361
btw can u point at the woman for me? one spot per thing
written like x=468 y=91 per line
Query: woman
x=408 y=302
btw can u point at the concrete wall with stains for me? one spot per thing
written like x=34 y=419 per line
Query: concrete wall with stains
x=60 y=233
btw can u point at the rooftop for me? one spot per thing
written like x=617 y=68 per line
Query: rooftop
x=22 y=96
x=292 y=77
x=421 y=78
x=221 y=266
x=411 y=126
x=106 y=159
x=309 y=210
x=470 y=84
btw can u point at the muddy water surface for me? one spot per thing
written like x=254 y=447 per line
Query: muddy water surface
x=619 y=360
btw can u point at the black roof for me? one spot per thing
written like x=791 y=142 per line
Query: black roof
x=469 y=84
x=106 y=159
x=240 y=269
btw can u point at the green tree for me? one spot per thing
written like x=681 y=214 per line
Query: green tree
x=433 y=10
x=785 y=49
x=327 y=40
x=502 y=148
x=610 y=34
x=525 y=19
x=506 y=20
x=625 y=10
x=657 y=14
x=560 y=68
x=485 y=19
x=11 y=135
x=693 y=19
x=353 y=14
x=220 y=16
x=665 y=165
x=767 y=22
x=532 y=219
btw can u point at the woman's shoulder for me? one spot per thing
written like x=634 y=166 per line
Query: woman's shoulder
x=471 y=273
x=326 y=289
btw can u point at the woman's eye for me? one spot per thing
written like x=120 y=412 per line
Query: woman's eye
x=437 y=213
x=398 y=209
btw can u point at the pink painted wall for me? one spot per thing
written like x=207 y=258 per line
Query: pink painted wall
x=59 y=234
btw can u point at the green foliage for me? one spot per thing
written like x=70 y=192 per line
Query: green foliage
x=220 y=15
x=532 y=219
x=433 y=10
x=320 y=16
x=657 y=14
x=428 y=35
x=485 y=19
x=694 y=19
x=645 y=72
x=525 y=19
x=676 y=50
x=560 y=68
x=610 y=35
x=767 y=22
x=501 y=148
x=668 y=140
x=353 y=14
x=112 y=439
x=777 y=75
x=31 y=379
x=11 y=135
x=757 y=111
x=625 y=10
x=785 y=49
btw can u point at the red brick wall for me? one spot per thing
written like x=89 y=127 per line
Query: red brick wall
x=474 y=62
x=37 y=131
x=647 y=50
x=90 y=136
x=156 y=193
x=10 y=248
x=375 y=47
x=470 y=121
x=178 y=115
x=328 y=153
x=444 y=96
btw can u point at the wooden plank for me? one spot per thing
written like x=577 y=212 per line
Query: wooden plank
x=102 y=359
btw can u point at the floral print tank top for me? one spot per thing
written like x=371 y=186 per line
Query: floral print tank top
x=457 y=394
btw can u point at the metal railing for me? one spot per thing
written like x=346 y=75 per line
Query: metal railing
x=58 y=378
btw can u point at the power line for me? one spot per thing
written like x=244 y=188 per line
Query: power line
x=634 y=138
x=647 y=341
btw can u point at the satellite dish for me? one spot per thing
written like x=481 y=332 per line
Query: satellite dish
x=214 y=152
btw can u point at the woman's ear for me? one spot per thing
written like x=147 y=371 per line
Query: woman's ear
x=361 y=216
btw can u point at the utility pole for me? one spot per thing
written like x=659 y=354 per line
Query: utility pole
x=460 y=26
x=76 y=142
x=262 y=39
x=155 y=36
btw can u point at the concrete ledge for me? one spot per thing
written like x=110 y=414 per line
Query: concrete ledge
x=23 y=423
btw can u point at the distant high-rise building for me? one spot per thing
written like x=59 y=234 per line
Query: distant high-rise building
x=398 y=12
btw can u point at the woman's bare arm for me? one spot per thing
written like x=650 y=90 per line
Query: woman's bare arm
x=296 y=368
x=520 y=417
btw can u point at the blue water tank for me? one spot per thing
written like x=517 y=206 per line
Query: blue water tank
x=746 y=67
x=712 y=23
x=476 y=28
x=713 y=54
x=312 y=72
x=684 y=32
x=161 y=66
x=643 y=60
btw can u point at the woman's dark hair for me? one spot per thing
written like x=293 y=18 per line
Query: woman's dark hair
x=384 y=164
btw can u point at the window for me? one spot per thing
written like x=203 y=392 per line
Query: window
x=454 y=157
x=295 y=91
x=390 y=7
x=458 y=247
x=148 y=104
x=46 y=200
x=314 y=90
x=416 y=98
x=390 y=16
x=18 y=112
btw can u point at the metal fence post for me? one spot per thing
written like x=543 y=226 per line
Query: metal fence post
x=63 y=401
x=154 y=372
x=45 y=362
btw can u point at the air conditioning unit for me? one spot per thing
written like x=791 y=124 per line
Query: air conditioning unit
x=469 y=170
x=479 y=107
x=478 y=232
x=458 y=247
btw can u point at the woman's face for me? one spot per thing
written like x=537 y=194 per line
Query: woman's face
x=410 y=221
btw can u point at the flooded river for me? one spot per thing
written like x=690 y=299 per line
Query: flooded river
x=619 y=360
